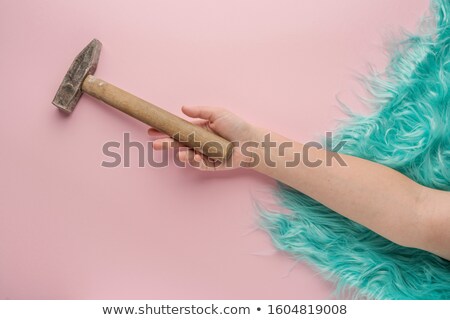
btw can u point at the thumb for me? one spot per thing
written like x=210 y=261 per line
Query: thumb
x=207 y=113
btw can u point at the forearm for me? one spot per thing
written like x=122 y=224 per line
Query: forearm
x=376 y=196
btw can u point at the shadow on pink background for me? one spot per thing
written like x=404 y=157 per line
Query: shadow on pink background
x=71 y=229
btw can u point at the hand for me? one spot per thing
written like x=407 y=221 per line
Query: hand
x=217 y=120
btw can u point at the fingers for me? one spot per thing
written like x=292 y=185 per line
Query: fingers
x=207 y=113
x=186 y=155
x=156 y=134
x=166 y=143
x=197 y=160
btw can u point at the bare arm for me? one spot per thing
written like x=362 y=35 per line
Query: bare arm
x=371 y=194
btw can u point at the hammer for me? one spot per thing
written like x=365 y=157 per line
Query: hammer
x=79 y=78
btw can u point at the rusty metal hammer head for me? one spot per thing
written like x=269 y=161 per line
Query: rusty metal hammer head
x=85 y=63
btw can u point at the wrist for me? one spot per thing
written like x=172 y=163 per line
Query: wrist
x=251 y=147
x=251 y=133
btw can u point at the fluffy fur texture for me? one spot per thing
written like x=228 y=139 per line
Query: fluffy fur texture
x=408 y=130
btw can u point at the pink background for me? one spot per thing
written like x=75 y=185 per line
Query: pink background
x=71 y=229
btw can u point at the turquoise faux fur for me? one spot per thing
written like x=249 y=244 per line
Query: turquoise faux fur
x=408 y=130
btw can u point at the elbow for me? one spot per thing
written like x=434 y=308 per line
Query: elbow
x=432 y=224
x=436 y=238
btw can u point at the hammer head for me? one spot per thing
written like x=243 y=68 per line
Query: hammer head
x=85 y=63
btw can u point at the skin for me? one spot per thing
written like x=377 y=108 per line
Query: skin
x=369 y=193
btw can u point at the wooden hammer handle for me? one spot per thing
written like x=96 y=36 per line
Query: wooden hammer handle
x=193 y=136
